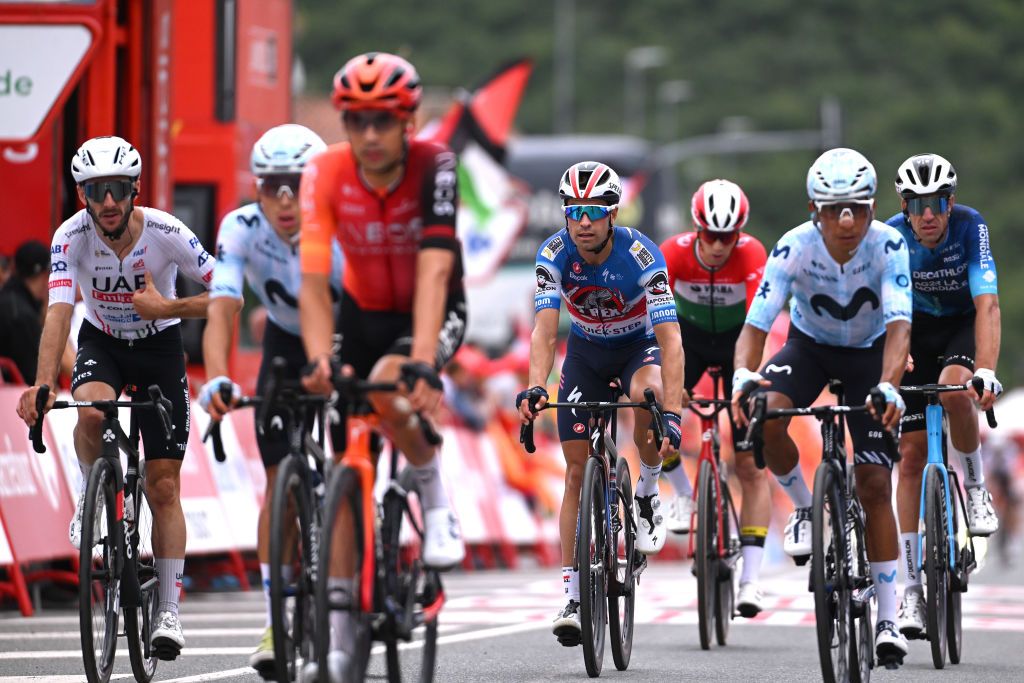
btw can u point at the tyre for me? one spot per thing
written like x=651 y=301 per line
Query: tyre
x=590 y=557
x=705 y=554
x=725 y=600
x=414 y=591
x=936 y=564
x=828 y=574
x=621 y=606
x=99 y=578
x=862 y=626
x=954 y=611
x=342 y=534
x=291 y=602
x=138 y=622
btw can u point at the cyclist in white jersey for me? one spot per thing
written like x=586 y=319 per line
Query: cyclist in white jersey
x=125 y=259
x=849 y=277
x=259 y=243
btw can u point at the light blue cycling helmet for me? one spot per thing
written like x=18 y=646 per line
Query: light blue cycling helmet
x=284 y=149
x=841 y=175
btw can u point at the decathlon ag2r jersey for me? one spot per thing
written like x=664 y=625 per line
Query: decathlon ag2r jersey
x=614 y=303
x=947 y=278
x=838 y=305
x=248 y=248
x=79 y=257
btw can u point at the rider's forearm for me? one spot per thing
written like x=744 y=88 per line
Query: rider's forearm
x=188 y=307
x=217 y=337
x=987 y=331
x=749 y=348
x=671 y=344
x=52 y=343
x=433 y=270
x=315 y=318
x=894 y=355
x=542 y=347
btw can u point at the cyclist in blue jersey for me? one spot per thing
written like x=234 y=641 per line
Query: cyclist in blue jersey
x=955 y=337
x=259 y=243
x=624 y=327
x=849 y=278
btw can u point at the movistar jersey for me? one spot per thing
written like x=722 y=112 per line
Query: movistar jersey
x=947 y=278
x=838 y=305
x=614 y=303
x=248 y=247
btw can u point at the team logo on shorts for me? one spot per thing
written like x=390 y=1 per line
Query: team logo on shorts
x=578 y=427
x=648 y=359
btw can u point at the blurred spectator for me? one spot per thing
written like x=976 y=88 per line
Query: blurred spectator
x=22 y=307
x=463 y=388
x=1002 y=470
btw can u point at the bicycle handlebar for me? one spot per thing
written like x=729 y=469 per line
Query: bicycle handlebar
x=157 y=401
x=976 y=383
x=649 y=403
x=990 y=414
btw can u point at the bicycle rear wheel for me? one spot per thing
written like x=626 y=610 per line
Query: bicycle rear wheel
x=342 y=521
x=99 y=582
x=862 y=626
x=936 y=564
x=139 y=622
x=828 y=574
x=291 y=545
x=705 y=554
x=590 y=557
x=725 y=597
x=621 y=607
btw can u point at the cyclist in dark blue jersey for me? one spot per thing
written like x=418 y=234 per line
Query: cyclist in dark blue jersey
x=955 y=336
x=624 y=327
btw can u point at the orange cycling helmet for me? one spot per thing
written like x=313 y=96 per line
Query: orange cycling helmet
x=377 y=80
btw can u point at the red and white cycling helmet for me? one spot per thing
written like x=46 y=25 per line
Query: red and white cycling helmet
x=590 y=180
x=720 y=206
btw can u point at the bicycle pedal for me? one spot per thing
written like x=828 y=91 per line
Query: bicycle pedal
x=801 y=560
x=569 y=638
x=166 y=652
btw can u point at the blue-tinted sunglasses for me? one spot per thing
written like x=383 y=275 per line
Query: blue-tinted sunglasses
x=937 y=203
x=594 y=212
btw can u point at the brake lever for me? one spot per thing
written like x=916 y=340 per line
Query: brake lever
x=35 y=432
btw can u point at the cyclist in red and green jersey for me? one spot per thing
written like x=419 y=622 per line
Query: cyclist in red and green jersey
x=714 y=273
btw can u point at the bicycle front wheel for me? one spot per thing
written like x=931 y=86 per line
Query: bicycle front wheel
x=828 y=574
x=862 y=626
x=954 y=611
x=291 y=546
x=139 y=622
x=705 y=554
x=590 y=557
x=621 y=606
x=936 y=564
x=341 y=554
x=99 y=581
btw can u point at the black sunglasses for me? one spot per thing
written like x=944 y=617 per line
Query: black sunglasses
x=362 y=120
x=97 y=190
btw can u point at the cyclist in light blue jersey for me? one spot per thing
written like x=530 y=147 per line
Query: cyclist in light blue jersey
x=849 y=278
x=259 y=243
x=624 y=327
x=955 y=337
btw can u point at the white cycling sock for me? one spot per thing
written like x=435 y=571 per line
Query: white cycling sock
x=86 y=470
x=796 y=488
x=751 y=555
x=430 y=484
x=169 y=572
x=910 y=558
x=971 y=465
x=679 y=480
x=883 y=574
x=647 y=484
x=342 y=634
x=571 y=583
x=286 y=575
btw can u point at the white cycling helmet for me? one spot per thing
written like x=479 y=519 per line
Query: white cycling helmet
x=840 y=175
x=590 y=180
x=924 y=174
x=104 y=157
x=284 y=149
x=719 y=206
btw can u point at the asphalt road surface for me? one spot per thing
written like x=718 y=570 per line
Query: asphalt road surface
x=496 y=627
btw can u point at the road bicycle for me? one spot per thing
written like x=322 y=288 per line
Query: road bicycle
x=116 y=567
x=715 y=546
x=296 y=504
x=395 y=593
x=840 y=573
x=944 y=564
x=605 y=554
